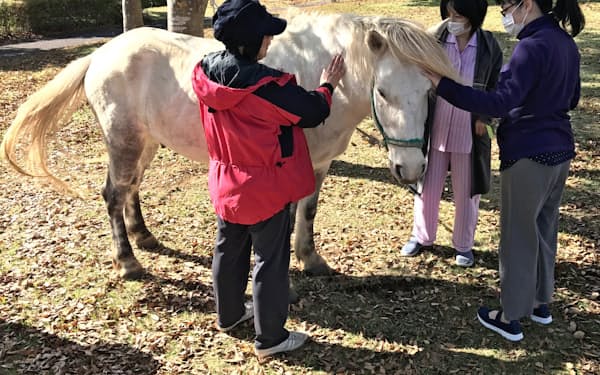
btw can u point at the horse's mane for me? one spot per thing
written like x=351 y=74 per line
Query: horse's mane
x=407 y=40
x=411 y=42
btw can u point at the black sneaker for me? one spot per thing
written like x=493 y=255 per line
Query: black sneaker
x=511 y=331
x=541 y=315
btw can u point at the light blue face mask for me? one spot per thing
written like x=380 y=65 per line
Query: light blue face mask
x=509 y=24
x=457 y=28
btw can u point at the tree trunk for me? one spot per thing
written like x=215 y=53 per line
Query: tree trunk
x=132 y=14
x=186 y=16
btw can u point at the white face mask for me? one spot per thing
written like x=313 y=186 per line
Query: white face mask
x=509 y=22
x=457 y=28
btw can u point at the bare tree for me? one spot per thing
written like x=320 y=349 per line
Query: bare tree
x=132 y=14
x=186 y=16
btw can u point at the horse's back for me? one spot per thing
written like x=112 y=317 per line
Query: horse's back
x=145 y=55
x=139 y=83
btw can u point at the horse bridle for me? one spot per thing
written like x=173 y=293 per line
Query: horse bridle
x=412 y=142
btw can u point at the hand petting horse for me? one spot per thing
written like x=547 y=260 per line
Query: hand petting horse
x=139 y=87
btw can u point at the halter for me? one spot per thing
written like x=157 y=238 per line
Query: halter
x=412 y=142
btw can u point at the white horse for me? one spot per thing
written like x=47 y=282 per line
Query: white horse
x=139 y=87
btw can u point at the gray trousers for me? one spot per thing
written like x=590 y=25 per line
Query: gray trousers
x=531 y=195
x=270 y=281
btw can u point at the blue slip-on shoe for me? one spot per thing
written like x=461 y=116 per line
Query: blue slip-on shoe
x=465 y=259
x=511 y=331
x=541 y=315
x=248 y=314
x=411 y=248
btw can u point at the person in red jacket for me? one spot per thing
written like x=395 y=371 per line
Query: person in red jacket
x=253 y=117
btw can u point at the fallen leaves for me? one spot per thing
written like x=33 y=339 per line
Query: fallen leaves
x=62 y=311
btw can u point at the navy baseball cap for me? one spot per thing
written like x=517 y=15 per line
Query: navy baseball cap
x=245 y=22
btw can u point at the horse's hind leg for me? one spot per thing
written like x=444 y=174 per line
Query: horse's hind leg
x=122 y=172
x=134 y=220
x=123 y=259
x=304 y=244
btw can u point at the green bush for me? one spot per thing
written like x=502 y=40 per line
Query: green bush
x=48 y=16
x=56 y=16
x=13 y=20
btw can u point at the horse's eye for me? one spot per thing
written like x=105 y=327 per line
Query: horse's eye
x=381 y=93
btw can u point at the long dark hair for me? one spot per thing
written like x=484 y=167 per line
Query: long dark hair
x=473 y=10
x=567 y=12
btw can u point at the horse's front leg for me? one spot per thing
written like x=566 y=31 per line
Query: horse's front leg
x=122 y=254
x=304 y=244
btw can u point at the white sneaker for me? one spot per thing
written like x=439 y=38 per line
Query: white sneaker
x=293 y=342
x=248 y=314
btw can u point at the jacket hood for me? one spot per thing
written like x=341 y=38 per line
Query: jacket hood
x=221 y=80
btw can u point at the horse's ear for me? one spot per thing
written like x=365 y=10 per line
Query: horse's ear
x=376 y=42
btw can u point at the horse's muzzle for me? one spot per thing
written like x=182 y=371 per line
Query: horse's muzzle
x=407 y=175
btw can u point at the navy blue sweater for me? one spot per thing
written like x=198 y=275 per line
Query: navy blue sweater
x=535 y=92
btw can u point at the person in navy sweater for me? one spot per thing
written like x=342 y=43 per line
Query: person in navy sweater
x=536 y=90
x=253 y=117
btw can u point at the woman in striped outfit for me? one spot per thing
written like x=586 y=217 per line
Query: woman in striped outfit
x=458 y=140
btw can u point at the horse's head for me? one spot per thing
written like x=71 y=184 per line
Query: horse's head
x=399 y=109
x=400 y=91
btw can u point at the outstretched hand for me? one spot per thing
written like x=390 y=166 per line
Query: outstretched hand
x=334 y=71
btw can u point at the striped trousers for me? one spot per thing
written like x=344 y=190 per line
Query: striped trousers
x=427 y=206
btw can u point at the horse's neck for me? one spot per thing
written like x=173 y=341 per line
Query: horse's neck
x=308 y=44
x=305 y=49
x=356 y=85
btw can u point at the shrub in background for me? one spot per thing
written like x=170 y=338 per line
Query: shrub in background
x=13 y=20
x=44 y=17
x=51 y=16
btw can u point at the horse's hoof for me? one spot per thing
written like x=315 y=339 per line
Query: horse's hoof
x=129 y=269
x=293 y=296
x=148 y=243
x=320 y=269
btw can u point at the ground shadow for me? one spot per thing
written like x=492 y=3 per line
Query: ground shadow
x=29 y=350
x=427 y=317
x=177 y=296
x=346 y=169
x=201 y=260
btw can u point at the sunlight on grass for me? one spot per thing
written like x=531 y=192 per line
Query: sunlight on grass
x=381 y=313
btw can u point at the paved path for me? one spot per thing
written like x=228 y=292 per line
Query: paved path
x=49 y=44
x=99 y=36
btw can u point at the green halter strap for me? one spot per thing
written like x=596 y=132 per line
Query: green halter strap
x=413 y=142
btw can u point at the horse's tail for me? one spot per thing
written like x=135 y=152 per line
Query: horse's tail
x=42 y=114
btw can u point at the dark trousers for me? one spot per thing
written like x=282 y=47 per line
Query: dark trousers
x=270 y=281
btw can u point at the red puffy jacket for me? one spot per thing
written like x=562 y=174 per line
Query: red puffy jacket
x=250 y=176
